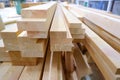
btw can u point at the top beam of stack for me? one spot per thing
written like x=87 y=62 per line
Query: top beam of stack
x=40 y=11
x=60 y=37
x=36 y=20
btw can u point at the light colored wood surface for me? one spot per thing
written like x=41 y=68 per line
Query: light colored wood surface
x=4 y=56
x=2 y=26
x=106 y=22
x=13 y=73
x=74 y=24
x=29 y=46
x=9 y=35
x=69 y=63
x=32 y=72
x=109 y=55
x=72 y=21
x=4 y=67
x=113 y=41
x=33 y=25
x=46 y=70
x=60 y=37
x=104 y=68
x=56 y=72
x=37 y=34
x=29 y=4
x=18 y=60
x=40 y=11
x=82 y=67
x=10 y=31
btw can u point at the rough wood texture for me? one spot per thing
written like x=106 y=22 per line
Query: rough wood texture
x=60 y=37
x=21 y=61
x=30 y=47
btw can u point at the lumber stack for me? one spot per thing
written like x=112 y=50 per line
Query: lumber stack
x=74 y=25
x=35 y=24
x=60 y=37
x=27 y=40
x=104 y=52
x=106 y=26
x=62 y=33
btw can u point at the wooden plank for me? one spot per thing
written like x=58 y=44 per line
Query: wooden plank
x=77 y=31
x=4 y=56
x=33 y=24
x=109 y=55
x=11 y=44
x=104 y=68
x=107 y=23
x=29 y=4
x=32 y=72
x=10 y=31
x=9 y=35
x=47 y=65
x=73 y=23
x=69 y=63
x=37 y=34
x=56 y=72
x=2 y=26
x=60 y=37
x=29 y=47
x=113 y=41
x=17 y=60
x=4 y=67
x=13 y=73
x=82 y=67
x=2 y=46
x=40 y=11
x=75 y=13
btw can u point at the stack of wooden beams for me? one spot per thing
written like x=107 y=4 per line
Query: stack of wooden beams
x=104 y=50
x=27 y=40
x=60 y=37
x=62 y=34
x=35 y=24
x=74 y=25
